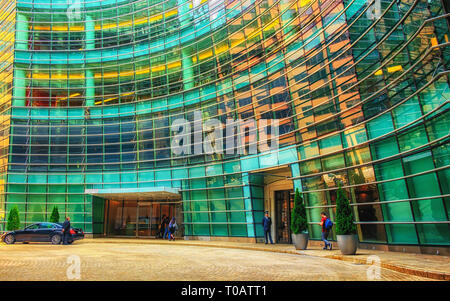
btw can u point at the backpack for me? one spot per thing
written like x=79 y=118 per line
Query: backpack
x=173 y=228
x=328 y=224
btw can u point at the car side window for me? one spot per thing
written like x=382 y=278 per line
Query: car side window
x=45 y=226
x=33 y=227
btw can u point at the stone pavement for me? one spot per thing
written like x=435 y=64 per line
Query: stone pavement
x=428 y=266
x=131 y=259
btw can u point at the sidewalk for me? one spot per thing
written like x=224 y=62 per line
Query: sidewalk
x=429 y=266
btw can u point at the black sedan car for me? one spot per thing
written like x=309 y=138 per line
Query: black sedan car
x=42 y=232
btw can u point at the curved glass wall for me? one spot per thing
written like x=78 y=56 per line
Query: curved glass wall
x=360 y=89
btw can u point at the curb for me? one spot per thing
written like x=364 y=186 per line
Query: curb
x=386 y=265
x=397 y=268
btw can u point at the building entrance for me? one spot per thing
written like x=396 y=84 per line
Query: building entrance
x=140 y=218
x=284 y=204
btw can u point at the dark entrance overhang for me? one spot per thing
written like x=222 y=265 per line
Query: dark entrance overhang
x=137 y=194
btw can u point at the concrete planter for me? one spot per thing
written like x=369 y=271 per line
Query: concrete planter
x=348 y=244
x=300 y=241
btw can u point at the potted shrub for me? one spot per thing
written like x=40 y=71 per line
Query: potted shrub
x=54 y=218
x=345 y=228
x=299 y=224
x=13 y=219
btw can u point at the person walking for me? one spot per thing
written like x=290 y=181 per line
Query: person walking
x=267 y=223
x=166 y=227
x=66 y=231
x=172 y=228
x=325 y=224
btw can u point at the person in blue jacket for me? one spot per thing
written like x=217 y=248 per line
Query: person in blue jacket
x=267 y=223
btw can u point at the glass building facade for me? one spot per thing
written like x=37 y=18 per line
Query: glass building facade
x=90 y=89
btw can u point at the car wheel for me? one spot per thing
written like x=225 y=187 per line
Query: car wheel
x=56 y=239
x=10 y=239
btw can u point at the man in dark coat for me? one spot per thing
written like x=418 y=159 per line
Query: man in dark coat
x=267 y=223
x=66 y=231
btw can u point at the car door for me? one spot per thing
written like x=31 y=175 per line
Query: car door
x=20 y=235
x=28 y=234
x=43 y=232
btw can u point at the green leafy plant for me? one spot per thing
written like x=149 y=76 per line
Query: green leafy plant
x=13 y=219
x=299 y=223
x=54 y=218
x=344 y=214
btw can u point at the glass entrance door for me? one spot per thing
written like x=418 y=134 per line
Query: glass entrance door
x=144 y=220
x=156 y=219
x=140 y=219
x=284 y=203
x=122 y=218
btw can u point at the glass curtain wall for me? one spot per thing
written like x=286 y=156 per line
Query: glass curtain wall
x=360 y=89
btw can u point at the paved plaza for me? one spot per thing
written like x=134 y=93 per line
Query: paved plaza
x=134 y=260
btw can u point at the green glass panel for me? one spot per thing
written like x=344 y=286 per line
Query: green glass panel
x=386 y=148
x=35 y=217
x=236 y=204
x=333 y=162
x=57 y=189
x=397 y=212
x=357 y=156
x=311 y=166
x=200 y=229
x=219 y=217
x=380 y=126
x=13 y=202
x=407 y=112
x=196 y=172
x=219 y=230
x=200 y=217
x=198 y=195
x=213 y=170
x=199 y=206
x=330 y=144
x=237 y=217
x=257 y=192
x=218 y=205
x=434 y=234
x=232 y=167
x=401 y=234
x=37 y=189
x=439 y=126
x=250 y=164
x=17 y=188
x=214 y=182
x=354 y=136
x=76 y=189
x=238 y=230
x=412 y=139
x=424 y=186
x=308 y=150
x=234 y=192
x=198 y=183
x=75 y=208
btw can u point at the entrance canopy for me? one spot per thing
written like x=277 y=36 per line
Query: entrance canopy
x=137 y=194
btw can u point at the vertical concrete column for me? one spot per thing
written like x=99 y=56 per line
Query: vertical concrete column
x=22 y=35
x=188 y=72
x=89 y=74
